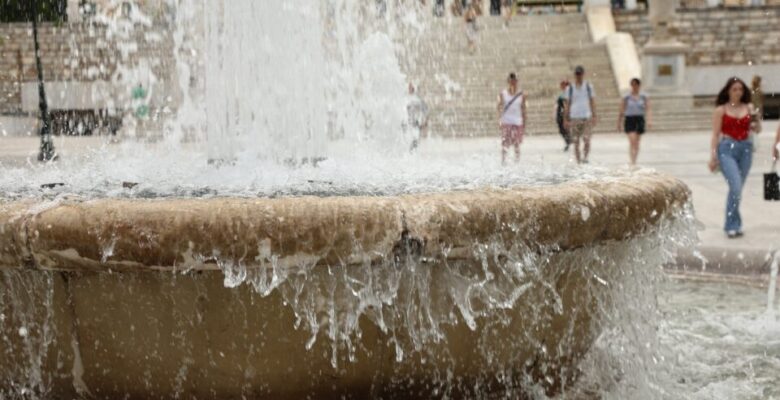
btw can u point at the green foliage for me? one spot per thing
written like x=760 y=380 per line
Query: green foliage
x=20 y=11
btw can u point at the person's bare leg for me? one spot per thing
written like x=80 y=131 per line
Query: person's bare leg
x=517 y=152
x=638 y=144
x=586 y=132
x=576 y=142
x=633 y=141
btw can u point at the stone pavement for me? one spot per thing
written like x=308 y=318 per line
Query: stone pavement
x=683 y=155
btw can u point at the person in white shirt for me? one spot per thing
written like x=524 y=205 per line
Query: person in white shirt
x=511 y=117
x=580 y=113
x=634 y=117
x=417 y=111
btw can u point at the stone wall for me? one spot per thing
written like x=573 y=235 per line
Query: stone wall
x=726 y=3
x=84 y=52
x=719 y=36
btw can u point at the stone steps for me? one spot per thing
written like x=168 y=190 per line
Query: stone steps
x=461 y=88
x=604 y=127
x=482 y=121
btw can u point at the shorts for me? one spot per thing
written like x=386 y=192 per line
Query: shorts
x=635 y=124
x=512 y=135
x=580 y=128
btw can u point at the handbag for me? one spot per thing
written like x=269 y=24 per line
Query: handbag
x=772 y=185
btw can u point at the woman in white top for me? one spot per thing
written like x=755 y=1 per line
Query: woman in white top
x=511 y=117
x=634 y=117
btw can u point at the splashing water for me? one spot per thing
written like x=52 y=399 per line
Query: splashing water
x=27 y=306
x=287 y=82
x=509 y=300
x=286 y=85
x=773 y=284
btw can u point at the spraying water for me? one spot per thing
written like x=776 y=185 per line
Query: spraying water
x=773 y=284
x=286 y=82
x=295 y=82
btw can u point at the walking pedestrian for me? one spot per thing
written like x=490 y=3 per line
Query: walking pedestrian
x=634 y=117
x=731 y=147
x=618 y=4
x=580 y=114
x=511 y=117
x=507 y=10
x=758 y=96
x=470 y=18
x=438 y=8
x=457 y=8
x=417 y=111
x=495 y=7
x=776 y=147
x=560 y=111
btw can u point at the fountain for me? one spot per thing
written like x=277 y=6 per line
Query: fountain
x=342 y=281
x=773 y=270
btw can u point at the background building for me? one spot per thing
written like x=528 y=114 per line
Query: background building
x=115 y=63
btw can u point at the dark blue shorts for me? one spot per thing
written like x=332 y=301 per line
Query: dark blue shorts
x=635 y=124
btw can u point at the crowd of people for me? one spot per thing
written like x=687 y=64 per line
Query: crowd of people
x=737 y=119
x=575 y=115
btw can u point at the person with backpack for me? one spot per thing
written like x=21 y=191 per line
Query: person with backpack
x=580 y=114
x=634 y=117
x=511 y=117
x=560 y=110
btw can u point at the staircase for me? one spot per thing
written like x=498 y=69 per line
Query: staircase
x=462 y=88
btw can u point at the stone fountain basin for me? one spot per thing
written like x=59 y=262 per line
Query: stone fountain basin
x=136 y=306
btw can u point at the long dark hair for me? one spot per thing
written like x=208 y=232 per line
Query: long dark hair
x=723 y=96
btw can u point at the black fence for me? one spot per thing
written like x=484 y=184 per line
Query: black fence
x=19 y=10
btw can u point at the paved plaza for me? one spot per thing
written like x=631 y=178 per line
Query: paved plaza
x=683 y=155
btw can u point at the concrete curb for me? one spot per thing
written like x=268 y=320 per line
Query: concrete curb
x=729 y=265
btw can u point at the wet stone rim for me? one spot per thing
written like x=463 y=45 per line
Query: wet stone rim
x=195 y=234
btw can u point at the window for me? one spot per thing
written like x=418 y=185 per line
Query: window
x=19 y=10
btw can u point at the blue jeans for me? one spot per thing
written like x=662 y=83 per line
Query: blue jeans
x=735 y=158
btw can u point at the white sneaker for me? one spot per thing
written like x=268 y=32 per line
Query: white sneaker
x=734 y=234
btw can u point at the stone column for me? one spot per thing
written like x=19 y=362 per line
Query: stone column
x=73 y=11
x=664 y=57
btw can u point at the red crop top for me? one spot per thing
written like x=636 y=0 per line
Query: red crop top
x=736 y=128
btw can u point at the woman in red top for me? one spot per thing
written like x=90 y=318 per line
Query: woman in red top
x=732 y=148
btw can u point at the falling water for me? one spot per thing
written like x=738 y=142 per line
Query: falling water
x=27 y=307
x=298 y=81
x=285 y=82
x=773 y=284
